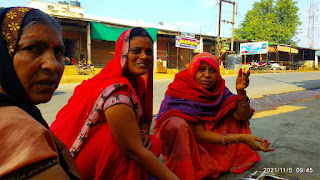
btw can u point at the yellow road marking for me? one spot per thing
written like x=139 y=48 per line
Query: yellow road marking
x=279 y=110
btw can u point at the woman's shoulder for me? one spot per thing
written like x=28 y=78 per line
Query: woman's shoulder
x=23 y=140
x=15 y=117
x=124 y=90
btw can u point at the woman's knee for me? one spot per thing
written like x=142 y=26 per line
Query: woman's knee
x=175 y=135
x=175 y=124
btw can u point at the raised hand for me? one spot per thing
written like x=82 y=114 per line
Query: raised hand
x=242 y=80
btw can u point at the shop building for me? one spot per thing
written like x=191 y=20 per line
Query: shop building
x=93 y=39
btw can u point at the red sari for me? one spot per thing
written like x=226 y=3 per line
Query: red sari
x=186 y=101
x=82 y=126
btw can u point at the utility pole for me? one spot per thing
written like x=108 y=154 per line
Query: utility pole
x=232 y=37
x=219 y=25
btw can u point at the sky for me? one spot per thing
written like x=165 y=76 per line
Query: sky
x=193 y=16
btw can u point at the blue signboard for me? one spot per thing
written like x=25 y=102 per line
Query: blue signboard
x=254 y=48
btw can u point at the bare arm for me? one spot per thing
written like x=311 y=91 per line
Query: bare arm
x=242 y=111
x=205 y=136
x=125 y=130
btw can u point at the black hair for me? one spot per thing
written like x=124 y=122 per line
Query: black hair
x=139 y=32
x=37 y=16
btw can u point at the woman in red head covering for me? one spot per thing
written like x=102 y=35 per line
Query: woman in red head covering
x=106 y=122
x=203 y=127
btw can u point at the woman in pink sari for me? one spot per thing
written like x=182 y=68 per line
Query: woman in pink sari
x=203 y=127
x=106 y=122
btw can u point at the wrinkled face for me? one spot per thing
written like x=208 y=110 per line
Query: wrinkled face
x=38 y=61
x=206 y=76
x=140 y=57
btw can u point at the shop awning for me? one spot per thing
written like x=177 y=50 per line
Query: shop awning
x=103 y=32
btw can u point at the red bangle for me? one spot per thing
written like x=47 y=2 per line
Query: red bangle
x=245 y=94
x=246 y=104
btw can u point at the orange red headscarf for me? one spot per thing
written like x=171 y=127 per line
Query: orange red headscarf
x=184 y=85
x=187 y=99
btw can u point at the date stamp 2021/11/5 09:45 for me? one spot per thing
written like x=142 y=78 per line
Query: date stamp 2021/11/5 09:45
x=288 y=170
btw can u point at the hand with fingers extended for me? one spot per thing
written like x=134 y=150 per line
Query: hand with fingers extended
x=256 y=143
x=242 y=80
x=146 y=140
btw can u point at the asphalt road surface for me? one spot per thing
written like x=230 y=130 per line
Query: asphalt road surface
x=292 y=128
x=260 y=86
x=294 y=136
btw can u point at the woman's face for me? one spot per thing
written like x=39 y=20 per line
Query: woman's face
x=140 y=57
x=38 y=61
x=206 y=76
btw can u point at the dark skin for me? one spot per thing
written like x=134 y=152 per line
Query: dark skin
x=203 y=77
x=140 y=63
x=242 y=82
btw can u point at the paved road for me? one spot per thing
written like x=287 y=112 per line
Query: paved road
x=60 y=98
x=260 y=85
x=294 y=134
x=295 y=137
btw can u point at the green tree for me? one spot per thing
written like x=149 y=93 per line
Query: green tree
x=288 y=20
x=275 y=21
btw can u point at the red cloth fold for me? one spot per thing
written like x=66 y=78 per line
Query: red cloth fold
x=185 y=86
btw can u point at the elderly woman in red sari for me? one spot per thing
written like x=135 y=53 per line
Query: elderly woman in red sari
x=106 y=122
x=203 y=127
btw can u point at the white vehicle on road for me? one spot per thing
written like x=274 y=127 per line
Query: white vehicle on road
x=275 y=66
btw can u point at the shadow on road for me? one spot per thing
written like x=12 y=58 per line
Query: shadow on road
x=58 y=93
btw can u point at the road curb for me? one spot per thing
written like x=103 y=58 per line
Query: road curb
x=68 y=77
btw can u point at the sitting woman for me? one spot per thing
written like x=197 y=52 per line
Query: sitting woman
x=31 y=66
x=106 y=122
x=203 y=127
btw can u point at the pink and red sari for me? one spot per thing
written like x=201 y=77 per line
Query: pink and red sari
x=82 y=126
x=186 y=101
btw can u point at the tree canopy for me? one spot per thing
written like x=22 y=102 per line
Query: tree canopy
x=275 y=21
